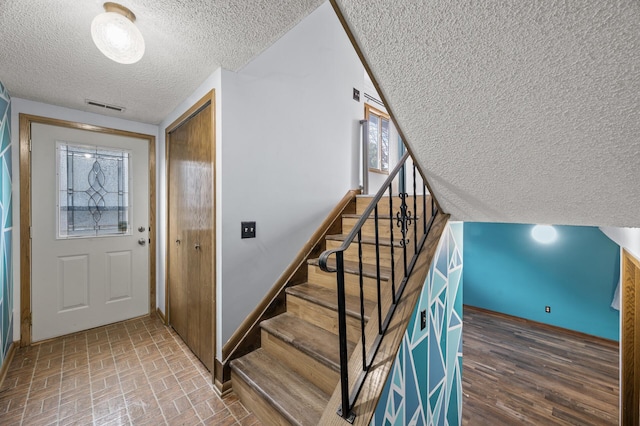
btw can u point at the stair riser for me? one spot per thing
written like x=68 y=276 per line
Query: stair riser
x=319 y=374
x=368 y=253
x=383 y=205
x=322 y=317
x=255 y=403
x=351 y=282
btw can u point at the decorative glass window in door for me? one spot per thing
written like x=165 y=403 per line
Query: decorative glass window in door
x=93 y=191
x=378 y=147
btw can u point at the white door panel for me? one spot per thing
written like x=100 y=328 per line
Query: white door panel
x=80 y=283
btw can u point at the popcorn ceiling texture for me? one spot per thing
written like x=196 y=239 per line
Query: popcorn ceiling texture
x=47 y=53
x=523 y=111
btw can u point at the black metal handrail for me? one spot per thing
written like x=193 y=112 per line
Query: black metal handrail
x=402 y=219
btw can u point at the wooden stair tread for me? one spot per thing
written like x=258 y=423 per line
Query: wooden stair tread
x=328 y=298
x=297 y=399
x=315 y=341
x=350 y=267
x=365 y=240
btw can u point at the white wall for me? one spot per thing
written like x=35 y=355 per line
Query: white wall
x=290 y=153
x=628 y=238
x=23 y=106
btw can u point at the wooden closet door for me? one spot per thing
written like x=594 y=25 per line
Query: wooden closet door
x=191 y=218
x=177 y=204
x=201 y=184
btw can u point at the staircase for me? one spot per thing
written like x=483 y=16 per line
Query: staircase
x=290 y=378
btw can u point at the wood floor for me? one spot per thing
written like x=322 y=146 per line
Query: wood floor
x=517 y=373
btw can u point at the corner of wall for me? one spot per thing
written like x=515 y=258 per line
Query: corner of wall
x=425 y=384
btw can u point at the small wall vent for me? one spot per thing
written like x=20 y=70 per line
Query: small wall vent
x=103 y=105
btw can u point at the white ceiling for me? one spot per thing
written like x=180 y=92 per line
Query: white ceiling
x=520 y=111
x=46 y=51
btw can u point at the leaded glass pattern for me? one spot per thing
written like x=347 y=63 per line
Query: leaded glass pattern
x=93 y=191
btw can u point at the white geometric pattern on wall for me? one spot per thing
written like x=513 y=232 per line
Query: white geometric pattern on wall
x=425 y=384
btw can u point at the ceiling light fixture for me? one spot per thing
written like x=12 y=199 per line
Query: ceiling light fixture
x=115 y=34
x=544 y=234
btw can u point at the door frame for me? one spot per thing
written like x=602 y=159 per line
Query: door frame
x=207 y=99
x=630 y=330
x=25 y=209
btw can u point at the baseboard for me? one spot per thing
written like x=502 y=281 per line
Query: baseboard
x=161 y=316
x=7 y=361
x=221 y=386
x=554 y=328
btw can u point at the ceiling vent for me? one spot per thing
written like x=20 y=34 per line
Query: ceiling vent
x=105 y=106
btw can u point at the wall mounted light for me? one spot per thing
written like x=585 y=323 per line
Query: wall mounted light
x=544 y=234
x=116 y=35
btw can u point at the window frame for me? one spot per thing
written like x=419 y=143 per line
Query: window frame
x=368 y=111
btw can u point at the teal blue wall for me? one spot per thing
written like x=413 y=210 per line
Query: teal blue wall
x=6 y=268
x=425 y=384
x=507 y=271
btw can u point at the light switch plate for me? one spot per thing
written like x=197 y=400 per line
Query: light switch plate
x=248 y=230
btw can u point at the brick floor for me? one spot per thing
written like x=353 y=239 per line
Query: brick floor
x=136 y=372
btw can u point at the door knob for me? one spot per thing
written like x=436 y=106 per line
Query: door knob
x=142 y=241
x=141 y=228
x=178 y=242
x=197 y=247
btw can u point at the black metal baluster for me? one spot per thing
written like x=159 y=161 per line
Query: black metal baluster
x=402 y=223
x=415 y=212
x=378 y=270
x=344 y=410
x=424 y=206
x=393 y=262
x=364 y=349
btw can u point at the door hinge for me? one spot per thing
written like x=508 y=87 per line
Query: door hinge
x=31 y=232
x=29 y=145
x=30 y=319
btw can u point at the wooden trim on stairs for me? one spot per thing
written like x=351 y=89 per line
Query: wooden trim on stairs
x=383 y=362
x=247 y=336
x=366 y=66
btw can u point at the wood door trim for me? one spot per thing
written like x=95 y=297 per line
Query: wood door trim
x=207 y=99
x=25 y=209
x=630 y=368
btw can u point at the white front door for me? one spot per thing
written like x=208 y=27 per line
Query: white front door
x=90 y=229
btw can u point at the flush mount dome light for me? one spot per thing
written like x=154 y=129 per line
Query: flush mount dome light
x=115 y=34
x=544 y=234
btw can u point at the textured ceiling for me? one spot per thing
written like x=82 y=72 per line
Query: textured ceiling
x=520 y=111
x=46 y=51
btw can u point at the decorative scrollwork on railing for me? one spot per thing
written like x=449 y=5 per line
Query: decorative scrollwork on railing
x=403 y=218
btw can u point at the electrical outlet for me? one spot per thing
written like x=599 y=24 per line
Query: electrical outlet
x=423 y=320
x=356 y=94
x=547 y=309
x=248 y=230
